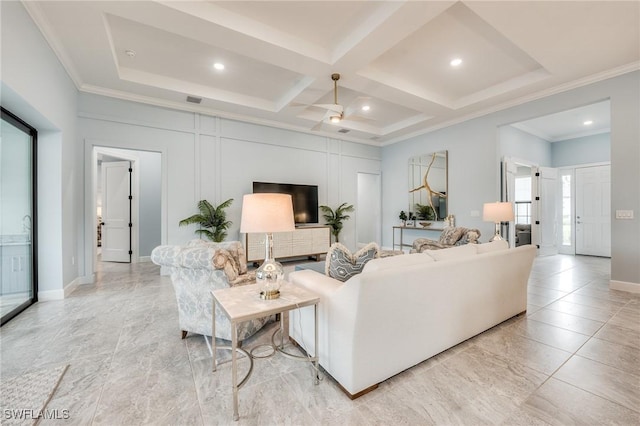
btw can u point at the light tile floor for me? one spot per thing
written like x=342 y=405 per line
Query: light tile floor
x=574 y=358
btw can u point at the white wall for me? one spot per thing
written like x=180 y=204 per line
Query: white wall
x=521 y=145
x=583 y=150
x=474 y=155
x=210 y=158
x=36 y=88
x=472 y=174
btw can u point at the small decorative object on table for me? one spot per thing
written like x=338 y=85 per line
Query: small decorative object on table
x=403 y=217
x=450 y=220
x=425 y=224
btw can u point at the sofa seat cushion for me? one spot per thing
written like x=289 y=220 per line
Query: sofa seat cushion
x=397 y=262
x=341 y=264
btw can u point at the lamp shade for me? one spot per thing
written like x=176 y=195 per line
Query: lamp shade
x=498 y=212
x=267 y=213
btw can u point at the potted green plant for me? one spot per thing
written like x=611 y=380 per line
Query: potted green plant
x=403 y=217
x=212 y=220
x=335 y=218
x=425 y=212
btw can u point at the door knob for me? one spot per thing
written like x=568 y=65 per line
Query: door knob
x=101 y=223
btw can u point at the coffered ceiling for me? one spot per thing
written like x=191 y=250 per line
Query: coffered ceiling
x=393 y=56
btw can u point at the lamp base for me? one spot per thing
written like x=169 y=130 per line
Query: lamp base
x=269 y=294
x=496 y=235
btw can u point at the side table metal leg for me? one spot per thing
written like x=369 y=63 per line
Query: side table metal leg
x=234 y=369
x=213 y=334
x=317 y=356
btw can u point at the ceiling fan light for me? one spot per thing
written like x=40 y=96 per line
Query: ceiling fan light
x=334 y=118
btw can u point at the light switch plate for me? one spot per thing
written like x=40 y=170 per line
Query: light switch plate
x=624 y=214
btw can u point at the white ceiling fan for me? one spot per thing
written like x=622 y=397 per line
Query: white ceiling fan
x=335 y=111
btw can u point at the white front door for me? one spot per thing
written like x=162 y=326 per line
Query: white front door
x=116 y=232
x=593 y=211
x=544 y=217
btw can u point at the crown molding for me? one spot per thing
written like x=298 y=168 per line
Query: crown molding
x=39 y=18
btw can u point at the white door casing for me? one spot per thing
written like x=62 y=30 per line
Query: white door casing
x=509 y=171
x=593 y=211
x=116 y=211
x=544 y=214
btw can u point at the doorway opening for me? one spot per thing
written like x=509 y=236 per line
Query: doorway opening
x=127 y=204
x=572 y=149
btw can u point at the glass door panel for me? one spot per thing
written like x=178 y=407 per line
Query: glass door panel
x=17 y=280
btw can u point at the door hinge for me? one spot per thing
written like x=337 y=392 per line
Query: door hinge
x=537 y=222
x=537 y=174
x=130 y=169
x=130 y=252
x=537 y=198
x=130 y=224
x=131 y=197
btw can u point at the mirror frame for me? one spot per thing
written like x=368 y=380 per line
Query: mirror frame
x=422 y=182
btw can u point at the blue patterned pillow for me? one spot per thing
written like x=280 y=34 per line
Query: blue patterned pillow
x=342 y=265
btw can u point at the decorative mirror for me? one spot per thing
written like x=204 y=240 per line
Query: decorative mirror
x=428 y=193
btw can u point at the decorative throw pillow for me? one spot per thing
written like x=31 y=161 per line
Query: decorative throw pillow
x=451 y=234
x=342 y=265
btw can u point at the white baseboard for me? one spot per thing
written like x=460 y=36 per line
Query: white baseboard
x=45 y=296
x=624 y=286
x=89 y=279
x=144 y=259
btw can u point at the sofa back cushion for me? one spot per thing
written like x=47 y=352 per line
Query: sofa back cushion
x=341 y=264
x=451 y=234
x=492 y=246
x=458 y=252
x=397 y=262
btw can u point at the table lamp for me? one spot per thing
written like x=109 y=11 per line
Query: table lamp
x=497 y=213
x=268 y=213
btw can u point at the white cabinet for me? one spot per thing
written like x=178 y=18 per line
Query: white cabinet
x=16 y=269
x=305 y=241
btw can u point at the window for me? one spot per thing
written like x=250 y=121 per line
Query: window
x=523 y=200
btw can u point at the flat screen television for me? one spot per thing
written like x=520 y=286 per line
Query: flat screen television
x=305 y=199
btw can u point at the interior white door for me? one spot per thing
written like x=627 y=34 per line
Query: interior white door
x=544 y=214
x=368 y=209
x=116 y=232
x=593 y=211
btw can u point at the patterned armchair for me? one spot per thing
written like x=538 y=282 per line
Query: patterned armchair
x=451 y=236
x=199 y=267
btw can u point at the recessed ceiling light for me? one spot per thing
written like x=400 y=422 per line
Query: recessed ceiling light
x=219 y=66
x=366 y=107
x=455 y=62
x=588 y=123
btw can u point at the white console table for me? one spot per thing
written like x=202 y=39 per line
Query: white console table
x=436 y=227
x=304 y=241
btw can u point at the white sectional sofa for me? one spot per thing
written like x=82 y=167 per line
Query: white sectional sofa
x=405 y=309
